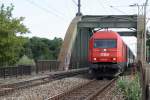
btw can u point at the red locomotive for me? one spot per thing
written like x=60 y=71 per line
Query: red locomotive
x=108 y=54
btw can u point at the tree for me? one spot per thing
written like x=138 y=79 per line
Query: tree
x=43 y=49
x=55 y=46
x=10 y=44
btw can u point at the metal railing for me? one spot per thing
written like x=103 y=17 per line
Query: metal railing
x=46 y=65
x=12 y=71
x=41 y=67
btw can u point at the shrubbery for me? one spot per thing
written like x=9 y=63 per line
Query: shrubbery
x=26 y=61
x=130 y=87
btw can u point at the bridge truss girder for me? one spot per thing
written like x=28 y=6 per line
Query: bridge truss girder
x=111 y=21
x=78 y=52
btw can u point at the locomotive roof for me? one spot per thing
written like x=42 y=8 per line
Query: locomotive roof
x=106 y=34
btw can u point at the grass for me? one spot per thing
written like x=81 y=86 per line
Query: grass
x=130 y=87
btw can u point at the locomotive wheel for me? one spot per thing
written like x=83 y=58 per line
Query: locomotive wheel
x=99 y=77
x=91 y=74
x=109 y=77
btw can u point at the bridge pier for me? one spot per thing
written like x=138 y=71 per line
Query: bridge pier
x=141 y=57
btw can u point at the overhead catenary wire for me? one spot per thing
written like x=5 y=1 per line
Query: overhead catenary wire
x=118 y=10
x=75 y=2
x=140 y=9
x=132 y=5
x=52 y=8
x=99 y=1
x=121 y=6
x=45 y=9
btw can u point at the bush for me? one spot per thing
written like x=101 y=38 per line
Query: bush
x=26 y=61
x=130 y=88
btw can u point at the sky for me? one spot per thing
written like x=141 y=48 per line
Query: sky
x=51 y=18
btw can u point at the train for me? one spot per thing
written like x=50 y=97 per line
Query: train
x=108 y=54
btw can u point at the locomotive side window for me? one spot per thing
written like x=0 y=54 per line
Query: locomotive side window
x=105 y=43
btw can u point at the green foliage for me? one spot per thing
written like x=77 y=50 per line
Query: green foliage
x=13 y=47
x=10 y=44
x=26 y=61
x=130 y=88
x=10 y=25
x=42 y=49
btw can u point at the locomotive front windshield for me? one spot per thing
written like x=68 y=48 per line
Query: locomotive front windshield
x=105 y=43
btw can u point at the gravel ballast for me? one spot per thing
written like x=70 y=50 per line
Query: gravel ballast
x=42 y=92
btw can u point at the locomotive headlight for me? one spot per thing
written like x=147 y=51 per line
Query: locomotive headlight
x=114 y=58
x=94 y=59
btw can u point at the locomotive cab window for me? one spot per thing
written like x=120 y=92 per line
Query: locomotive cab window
x=105 y=43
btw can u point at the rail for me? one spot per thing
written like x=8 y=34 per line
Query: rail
x=87 y=91
x=9 y=88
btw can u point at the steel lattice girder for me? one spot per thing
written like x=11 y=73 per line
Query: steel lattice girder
x=109 y=21
x=128 y=33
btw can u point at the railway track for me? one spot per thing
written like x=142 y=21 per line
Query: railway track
x=88 y=91
x=9 y=88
